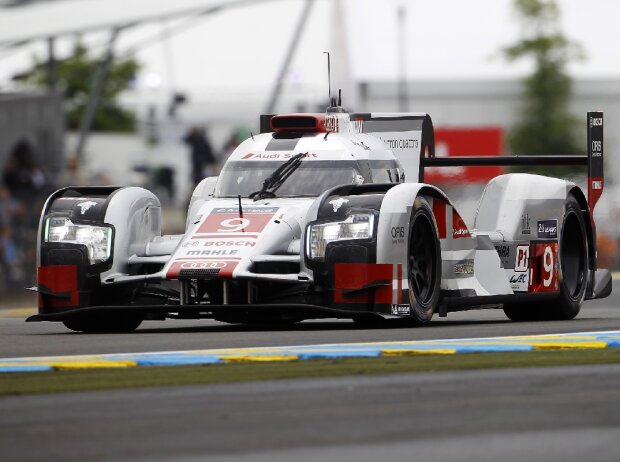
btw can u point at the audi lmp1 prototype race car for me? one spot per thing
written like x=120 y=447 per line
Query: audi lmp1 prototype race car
x=326 y=216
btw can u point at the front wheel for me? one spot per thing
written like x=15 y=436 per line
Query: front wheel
x=424 y=263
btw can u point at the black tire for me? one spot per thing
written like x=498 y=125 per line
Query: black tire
x=110 y=324
x=573 y=250
x=519 y=312
x=424 y=263
x=573 y=257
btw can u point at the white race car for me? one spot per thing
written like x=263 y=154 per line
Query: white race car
x=326 y=216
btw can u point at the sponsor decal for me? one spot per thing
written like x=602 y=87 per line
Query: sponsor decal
x=464 y=267
x=231 y=243
x=402 y=144
x=596 y=122
x=398 y=231
x=548 y=229
x=525 y=224
x=401 y=310
x=519 y=282
x=202 y=265
x=398 y=234
x=503 y=251
x=518 y=278
x=190 y=244
x=459 y=228
x=276 y=155
x=522 y=258
x=337 y=203
x=211 y=253
x=597 y=184
x=84 y=206
x=226 y=267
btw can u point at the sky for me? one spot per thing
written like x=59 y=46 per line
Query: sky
x=240 y=51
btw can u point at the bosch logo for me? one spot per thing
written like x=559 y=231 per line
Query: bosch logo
x=203 y=265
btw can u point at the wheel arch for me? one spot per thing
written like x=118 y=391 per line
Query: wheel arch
x=578 y=194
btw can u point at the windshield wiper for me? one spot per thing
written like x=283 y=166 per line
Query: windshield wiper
x=278 y=177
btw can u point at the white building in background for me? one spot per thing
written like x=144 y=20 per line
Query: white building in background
x=475 y=103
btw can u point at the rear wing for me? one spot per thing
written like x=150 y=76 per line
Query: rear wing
x=593 y=159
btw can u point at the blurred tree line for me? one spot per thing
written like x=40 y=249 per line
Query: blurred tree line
x=546 y=125
x=76 y=75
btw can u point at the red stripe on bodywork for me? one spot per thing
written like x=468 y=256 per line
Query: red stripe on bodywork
x=357 y=275
x=439 y=210
x=459 y=228
x=399 y=277
x=58 y=279
x=595 y=190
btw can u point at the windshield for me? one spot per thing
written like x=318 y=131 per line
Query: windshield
x=311 y=178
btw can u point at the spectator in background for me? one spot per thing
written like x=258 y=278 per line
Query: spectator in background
x=22 y=176
x=237 y=136
x=201 y=152
x=24 y=188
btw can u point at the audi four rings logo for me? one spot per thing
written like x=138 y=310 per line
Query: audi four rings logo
x=203 y=265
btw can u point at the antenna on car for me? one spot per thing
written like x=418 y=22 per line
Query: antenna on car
x=339 y=97
x=329 y=78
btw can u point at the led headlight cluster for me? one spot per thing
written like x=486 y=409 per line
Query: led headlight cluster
x=356 y=226
x=97 y=239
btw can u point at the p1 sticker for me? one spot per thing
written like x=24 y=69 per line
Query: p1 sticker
x=522 y=258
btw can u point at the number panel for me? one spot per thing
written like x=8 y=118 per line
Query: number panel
x=544 y=265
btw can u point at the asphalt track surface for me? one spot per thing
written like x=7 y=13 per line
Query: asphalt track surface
x=20 y=339
x=551 y=414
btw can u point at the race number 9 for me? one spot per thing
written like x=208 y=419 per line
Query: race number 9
x=233 y=225
x=547 y=266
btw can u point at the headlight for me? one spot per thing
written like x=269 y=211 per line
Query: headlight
x=357 y=226
x=97 y=239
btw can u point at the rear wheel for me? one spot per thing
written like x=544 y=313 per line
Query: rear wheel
x=573 y=263
x=572 y=276
x=424 y=264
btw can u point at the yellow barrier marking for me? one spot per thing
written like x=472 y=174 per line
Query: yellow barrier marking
x=414 y=352
x=567 y=345
x=18 y=312
x=235 y=351
x=615 y=275
x=91 y=364
x=249 y=358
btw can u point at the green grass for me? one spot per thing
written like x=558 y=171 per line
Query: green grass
x=103 y=379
